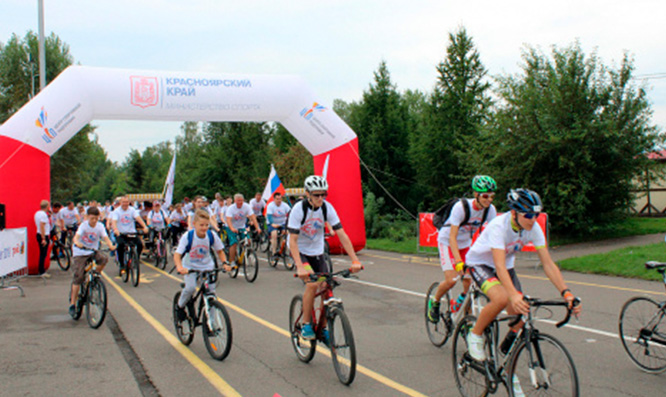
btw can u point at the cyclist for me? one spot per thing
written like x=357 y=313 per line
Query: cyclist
x=157 y=221
x=258 y=204
x=199 y=203
x=491 y=265
x=86 y=244
x=54 y=219
x=123 y=222
x=455 y=238
x=276 y=213
x=197 y=243
x=69 y=220
x=306 y=242
x=237 y=215
x=178 y=218
x=215 y=208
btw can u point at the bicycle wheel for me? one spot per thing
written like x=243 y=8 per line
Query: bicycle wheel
x=288 y=261
x=555 y=372
x=218 y=338
x=343 y=349
x=96 y=303
x=80 y=302
x=135 y=270
x=125 y=268
x=63 y=258
x=271 y=261
x=250 y=266
x=439 y=332
x=184 y=329
x=642 y=331
x=264 y=242
x=305 y=349
x=470 y=375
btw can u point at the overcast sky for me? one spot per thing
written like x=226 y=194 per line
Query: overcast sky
x=336 y=45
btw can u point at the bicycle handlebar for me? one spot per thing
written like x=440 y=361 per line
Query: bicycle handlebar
x=346 y=273
x=536 y=302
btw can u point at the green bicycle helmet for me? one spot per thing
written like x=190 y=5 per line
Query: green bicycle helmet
x=483 y=184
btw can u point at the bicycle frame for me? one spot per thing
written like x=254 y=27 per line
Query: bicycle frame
x=203 y=295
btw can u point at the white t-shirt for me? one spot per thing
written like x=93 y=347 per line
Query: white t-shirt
x=466 y=232
x=499 y=235
x=157 y=219
x=126 y=219
x=42 y=217
x=258 y=206
x=215 y=209
x=222 y=213
x=278 y=213
x=239 y=215
x=177 y=218
x=200 y=258
x=311 y=233
x=68 y=216
x=89 y=237
x=187 y=207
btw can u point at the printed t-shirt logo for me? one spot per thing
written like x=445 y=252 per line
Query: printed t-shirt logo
x=89 y=238
x=514 y=246
x=144 y=91
x=125 y=219
x=311 y=227
x=198 y=253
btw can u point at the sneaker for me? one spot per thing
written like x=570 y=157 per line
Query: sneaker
x=72 y=311
x=45 y=275
x=517 y=390
x=307 y=332
x=475 y=346
x=182 y=315
x=433 y=311
x=326 y=337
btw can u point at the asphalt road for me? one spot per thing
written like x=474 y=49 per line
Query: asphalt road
x=44 y=352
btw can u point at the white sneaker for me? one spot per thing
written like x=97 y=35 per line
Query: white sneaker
x=475 y=346
x=517 y=390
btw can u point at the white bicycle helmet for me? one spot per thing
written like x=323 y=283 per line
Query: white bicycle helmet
x=315 y=182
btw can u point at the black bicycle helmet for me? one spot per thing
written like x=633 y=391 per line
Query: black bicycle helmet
x=524 y=201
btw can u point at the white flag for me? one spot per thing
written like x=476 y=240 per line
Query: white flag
x=170 y=180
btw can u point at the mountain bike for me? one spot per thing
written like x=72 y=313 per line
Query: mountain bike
x=642 y=328
x=158 y=250
x=439 y=332
x=260 y=241
x=62 y=254
x=130 y=268
x=328 y=313
x=211 y=315
x=327 y=251
x=535 y=363
x=246 y=258
x=282 y=252
x=92 y=295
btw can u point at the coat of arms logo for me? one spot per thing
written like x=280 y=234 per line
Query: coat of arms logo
x=144 y=91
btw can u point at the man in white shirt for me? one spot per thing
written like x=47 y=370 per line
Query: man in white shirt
x=123 y=223
x=237 y=215
x=43 y=224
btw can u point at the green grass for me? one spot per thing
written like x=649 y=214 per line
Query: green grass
x=633 y=226
x=624 y=262
x=384 y=244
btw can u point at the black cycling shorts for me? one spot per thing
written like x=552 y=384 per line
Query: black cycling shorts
x=318 y=263
x=485 y=277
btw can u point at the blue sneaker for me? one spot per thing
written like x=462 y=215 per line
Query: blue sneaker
x=307 y=332
x=326 y=337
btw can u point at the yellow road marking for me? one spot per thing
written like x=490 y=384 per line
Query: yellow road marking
x=360 y=368
x=215 y=380
x=605 y=286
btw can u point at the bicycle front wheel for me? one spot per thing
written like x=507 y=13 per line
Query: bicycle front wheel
x=96 y=303
x=643 y=333
x=545 y=369
x=135 y=271
x=305 y=349
x=438 y=332
x=272 y=259
x=288 y=261
x=250 y=266
x=185 y=328
x=126 y=265
x=63 y=258
x=343 y=348
x=217 y=337
x=470 y=375
x=264 y=242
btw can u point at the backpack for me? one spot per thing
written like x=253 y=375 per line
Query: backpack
x=190 y=238
x=442 y=214
x=306 y=206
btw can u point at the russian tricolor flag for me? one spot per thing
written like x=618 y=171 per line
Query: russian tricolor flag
x=272 y=185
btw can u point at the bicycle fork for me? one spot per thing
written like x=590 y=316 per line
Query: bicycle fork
x=536 y=365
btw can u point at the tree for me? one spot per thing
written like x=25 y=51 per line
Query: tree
x=573 y=130
x=457 y=111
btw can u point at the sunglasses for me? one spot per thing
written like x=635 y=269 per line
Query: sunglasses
x=317 y=195
x=530 y=215
x=487 y=196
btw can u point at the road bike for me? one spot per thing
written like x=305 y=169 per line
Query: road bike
x=535 y=362
x=245 y=258
x=211 y=315
x=62 y=254
x=131 y=266
x=92 y=295
x=328 y=314
x=439 y=332
x=282 y=252
x=642 y=328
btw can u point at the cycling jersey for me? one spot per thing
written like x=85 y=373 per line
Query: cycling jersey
x=125 y=219
x=500 y=235
x=258 y=206
x=277 y=214
x=200 y=257
x=465 y=233
x=239 y=215
x=312 y=229
x=68 y=216
x=89 y=237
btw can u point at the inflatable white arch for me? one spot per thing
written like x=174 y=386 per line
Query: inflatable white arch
x=81 y=94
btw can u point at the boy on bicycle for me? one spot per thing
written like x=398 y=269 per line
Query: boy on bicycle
x=86 y=244
x=276 y=214
x=491 y=265
x=455 y=238
x=199 y=243
x=306 y=242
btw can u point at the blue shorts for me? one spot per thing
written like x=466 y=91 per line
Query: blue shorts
x=279 y=229
x=234 y=237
